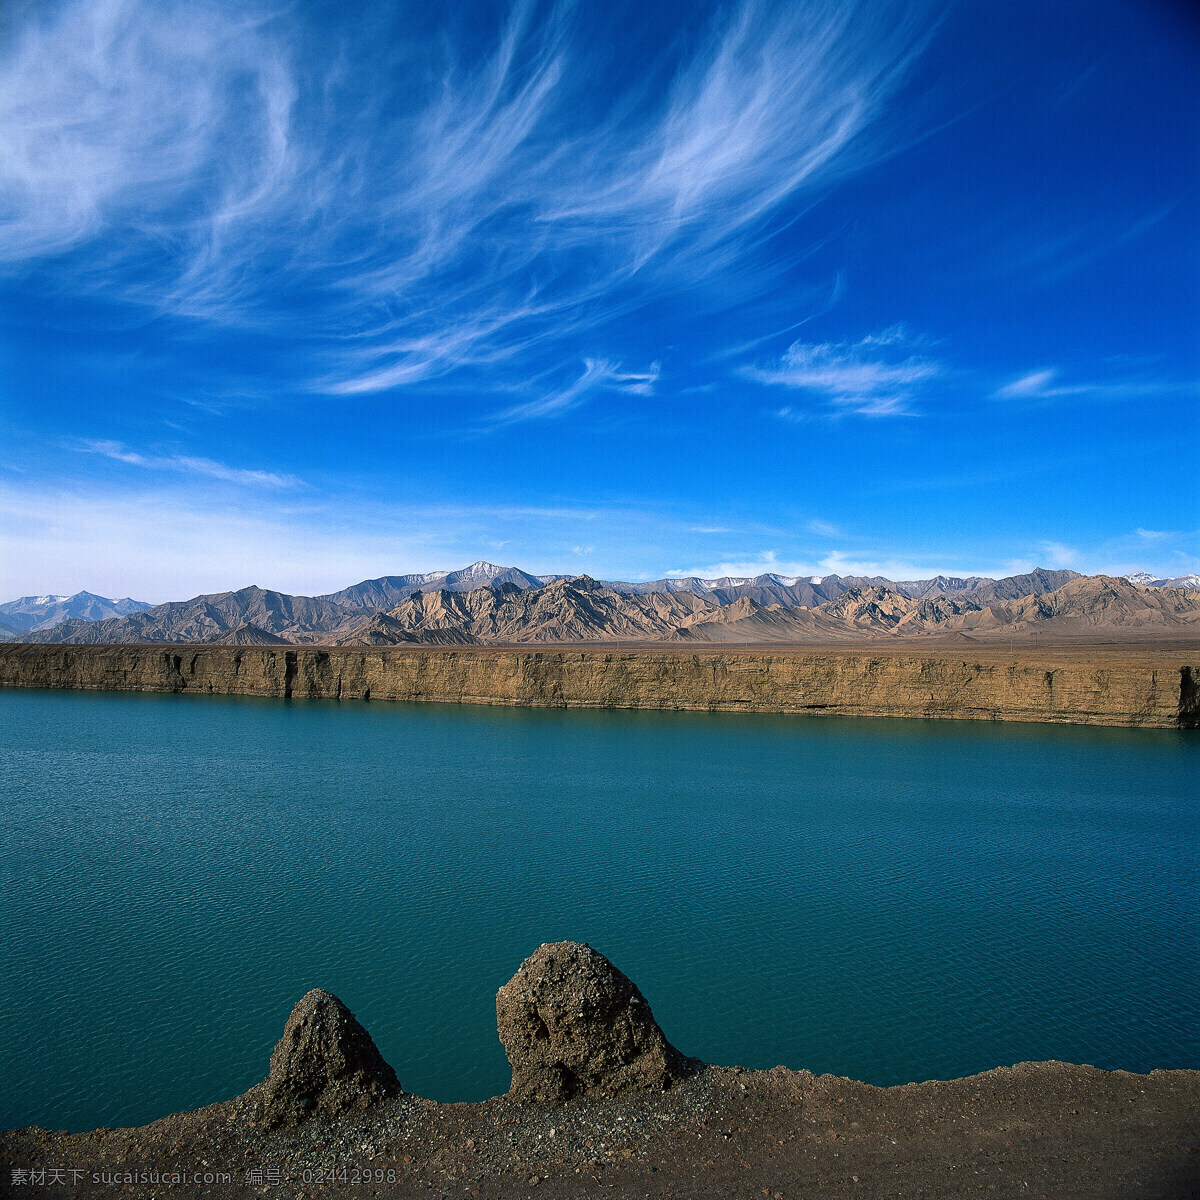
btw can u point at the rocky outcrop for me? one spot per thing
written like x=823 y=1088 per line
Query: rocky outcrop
x=1139 y=688
x=572 y=1025
x=325 y=1064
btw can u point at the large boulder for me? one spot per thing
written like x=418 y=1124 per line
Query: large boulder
x=325 y=1063
x=573 y=1025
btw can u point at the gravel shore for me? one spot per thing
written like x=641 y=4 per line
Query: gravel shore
x=1036 y=1129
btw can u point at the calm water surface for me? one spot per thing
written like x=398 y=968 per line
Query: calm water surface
x=889 y=900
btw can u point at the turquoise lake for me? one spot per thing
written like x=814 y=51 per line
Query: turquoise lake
x=889 y=900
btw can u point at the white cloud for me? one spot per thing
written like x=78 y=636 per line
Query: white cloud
x=1035 y=384
x=858 y=564
x=872 y=377
x=162 y=543
x=1058 y=555
x=160 y=546
x=189 y=465
x=762 y=563
x=152 y=128
x=1037 y=260
x=824 y=528
x=835 y=563
x=842 y=563
x=597 y=376
x=1043 y=385
x=203 y=160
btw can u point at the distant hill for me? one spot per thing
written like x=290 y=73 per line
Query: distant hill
x=248 y=635
x=987 y=591
x=257 y=611
x=487 y=604
x=32 y=613
x=812 y=590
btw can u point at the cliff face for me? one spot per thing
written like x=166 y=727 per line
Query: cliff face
x=1156 y=690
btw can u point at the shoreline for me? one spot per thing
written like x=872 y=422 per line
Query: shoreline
x=1129 y=685
x=1046 y=1129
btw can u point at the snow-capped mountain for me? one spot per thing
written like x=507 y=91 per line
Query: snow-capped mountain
x=1145 y=579
x=390 y=590
x=31 y=613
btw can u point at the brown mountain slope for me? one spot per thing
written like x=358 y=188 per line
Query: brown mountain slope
x=248 y=635
x=383 y=629
x=747 y=621
x=568 y=610
x=581 y=610
x=1089 y=604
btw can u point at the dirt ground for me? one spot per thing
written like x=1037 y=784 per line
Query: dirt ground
x=1034 y=1130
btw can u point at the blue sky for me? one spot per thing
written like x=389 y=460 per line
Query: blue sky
x=300 y=294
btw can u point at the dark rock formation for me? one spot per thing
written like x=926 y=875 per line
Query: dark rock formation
x=573 y=1025
x=325 y=1063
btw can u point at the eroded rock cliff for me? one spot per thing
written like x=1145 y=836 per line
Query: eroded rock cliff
x=1153 y=689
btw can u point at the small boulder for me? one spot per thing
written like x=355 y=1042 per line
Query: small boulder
x=325 y=1063
x=572 y=1025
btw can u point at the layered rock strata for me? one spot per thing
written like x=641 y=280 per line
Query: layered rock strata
x=1151 y=689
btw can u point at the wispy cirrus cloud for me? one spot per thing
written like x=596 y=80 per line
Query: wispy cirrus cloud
x=188 y=465
x=598 y=375
x=1046 y=385
x=878 y=376
x=415 y=224
x=144 y=131
x=1036 y=383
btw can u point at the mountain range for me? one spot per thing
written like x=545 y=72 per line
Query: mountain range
x=582 y=610
x=485 y=604
x=30 y=614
